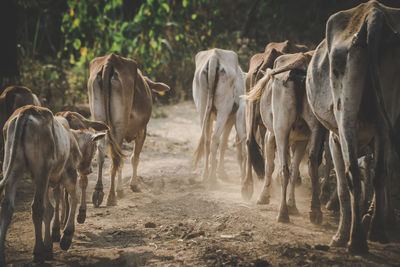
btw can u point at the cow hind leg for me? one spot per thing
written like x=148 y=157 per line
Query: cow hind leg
x=83 y=182
x=55 y=232
x=342 y=235
x=134 y=184
x=377 y=230
x=47 y=217
x=282 y=136
x=299 y=149
x=358 y=241
x=98 y=194
x=207 y=141
x=269 y=151
x=224 y=143
x=220 y=125
x=112 y=198
x=120 y=190
x=313 y=154
x=7 y=210
x=325 y=185
x=69 y=228
x=38 y=208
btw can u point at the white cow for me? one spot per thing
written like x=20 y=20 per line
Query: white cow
x=217 y=84
x=290 y=123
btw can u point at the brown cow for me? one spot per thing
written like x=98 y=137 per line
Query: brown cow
x=120 y=96
x=258 y=65
x=12 y=98
x=42 y=146
x=77 y=122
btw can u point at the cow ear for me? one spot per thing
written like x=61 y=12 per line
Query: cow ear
x=98 y=126
x=97 y=136
x=156 y=86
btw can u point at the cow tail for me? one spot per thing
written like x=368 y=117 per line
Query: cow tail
x=375 y=26
x=258 y=89
x=212 y=81
x=17 y=135
x=113 y=146
x=255 y=155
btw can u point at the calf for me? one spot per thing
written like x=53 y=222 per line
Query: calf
x=42 y=146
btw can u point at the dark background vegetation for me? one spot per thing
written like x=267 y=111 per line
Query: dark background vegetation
x=47 y=44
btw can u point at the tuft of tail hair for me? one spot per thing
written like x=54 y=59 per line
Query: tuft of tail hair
x=258 y=89
x=256 y=157
x=212 y=81
x=115 y=151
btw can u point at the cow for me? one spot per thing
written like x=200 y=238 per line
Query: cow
x=353 y=88
x=258 y=65
x=77 y=122
x=218 y=83
x=42 y=146
x=291 y=124
x=120 y=96
x=12 y=98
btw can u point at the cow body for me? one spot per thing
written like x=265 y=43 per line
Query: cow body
x=13 y=97
x=258 y=65
x=120 y=96
x=291 y=124
x=42 y=146
x=217 y=84
x=353 y=87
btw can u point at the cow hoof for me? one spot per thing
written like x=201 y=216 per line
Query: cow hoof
x=135 y=188
x=55 y=234
x=263 y=199
x=293 y=210
x=111 y=200
x=38 y=257
x=377 y=234
x=48 y=255
x=81 y=215
x=120 y=193
x=247 y=191
x=283 y=217
x=358 y=247
x=97 y=198
x=338 y=242
x=316 y=217
x=65 y=243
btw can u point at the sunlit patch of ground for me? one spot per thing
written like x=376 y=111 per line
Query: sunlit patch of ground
x=177 y=220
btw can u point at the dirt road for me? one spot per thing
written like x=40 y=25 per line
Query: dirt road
x=177 y=221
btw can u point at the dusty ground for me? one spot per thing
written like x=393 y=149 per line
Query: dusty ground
x=191 y=225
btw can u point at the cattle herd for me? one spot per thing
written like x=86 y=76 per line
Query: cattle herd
x=338 y=100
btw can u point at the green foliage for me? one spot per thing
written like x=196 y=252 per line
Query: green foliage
x=163 y=36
